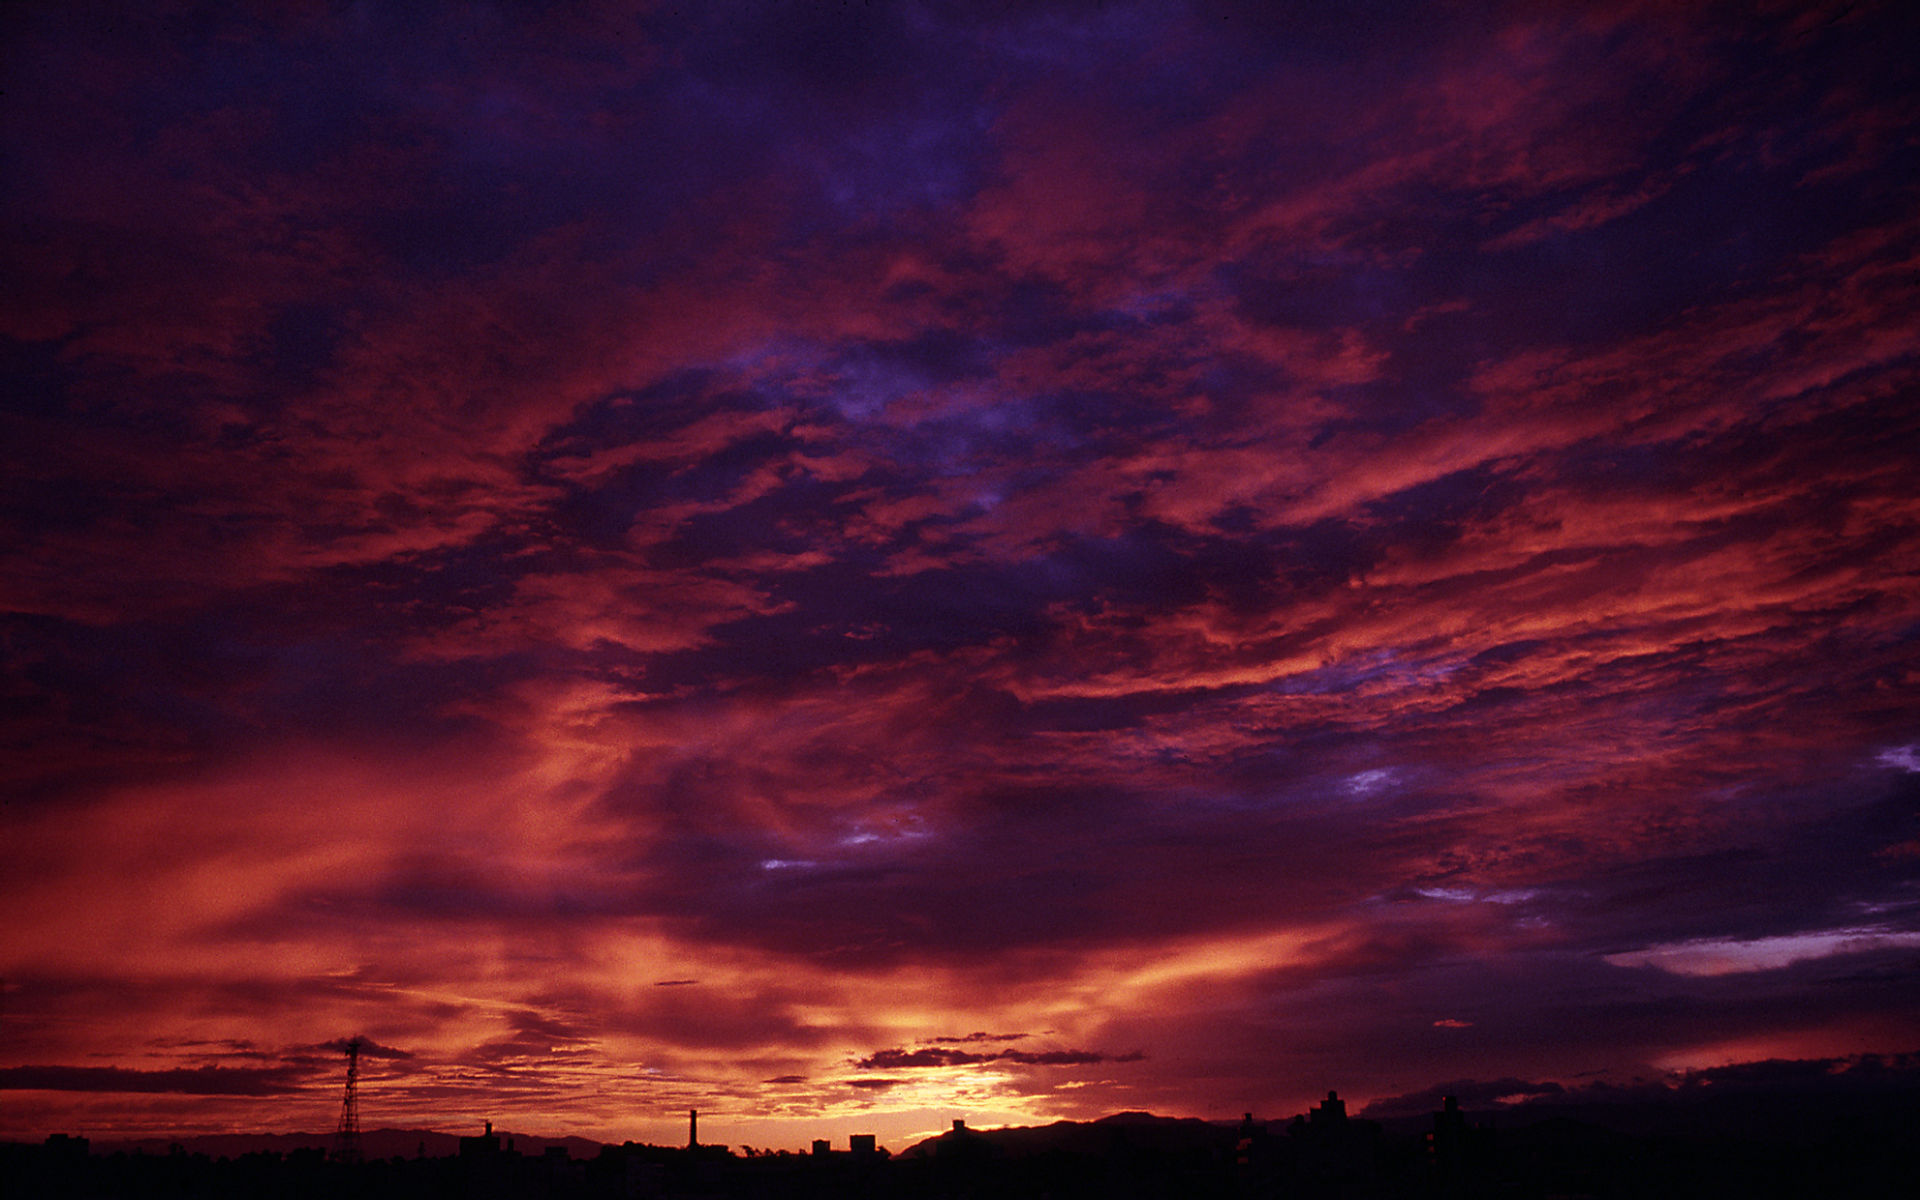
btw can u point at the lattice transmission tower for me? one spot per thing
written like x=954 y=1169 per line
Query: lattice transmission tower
x=346 y=1138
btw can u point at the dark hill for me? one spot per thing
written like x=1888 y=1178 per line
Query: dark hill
x=374 y=1144
x=1116 y=1134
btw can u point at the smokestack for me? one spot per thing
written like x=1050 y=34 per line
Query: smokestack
x=693 y=1128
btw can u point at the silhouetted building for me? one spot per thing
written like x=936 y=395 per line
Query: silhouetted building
x=863 y=1145
x=1329 y=1114
x=65 y=1147
x=1329 y=1153
x=1252 y=1135
x=1458 y=1151
x=485 y=1145
x=822 y=1147
x=960 y=1146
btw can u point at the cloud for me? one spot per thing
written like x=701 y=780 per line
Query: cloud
x=203 y=1081
x=367 y=1047
x=1470 y=1093
x=1329 y=551
x=1795 y=1078
x=1734 y=956
x=930 y=1056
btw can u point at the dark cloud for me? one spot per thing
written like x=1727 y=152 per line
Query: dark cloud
x=367 y=1048
x=1470 y=1093
x=932 y=1056
x=1796 y=1080
x=203 y=1081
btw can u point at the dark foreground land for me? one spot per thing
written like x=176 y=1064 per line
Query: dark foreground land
x=1859 y=1151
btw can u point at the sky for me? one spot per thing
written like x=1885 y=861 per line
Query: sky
x=854 y=565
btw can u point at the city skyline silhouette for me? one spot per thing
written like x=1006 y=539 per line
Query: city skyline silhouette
x=1781 y=1136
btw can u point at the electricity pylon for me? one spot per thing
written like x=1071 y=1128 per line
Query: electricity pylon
x=346 y=1139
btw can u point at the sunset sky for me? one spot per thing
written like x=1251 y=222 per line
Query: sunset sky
x=851 y=565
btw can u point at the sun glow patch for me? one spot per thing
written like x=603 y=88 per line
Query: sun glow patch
x=1709 y=957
